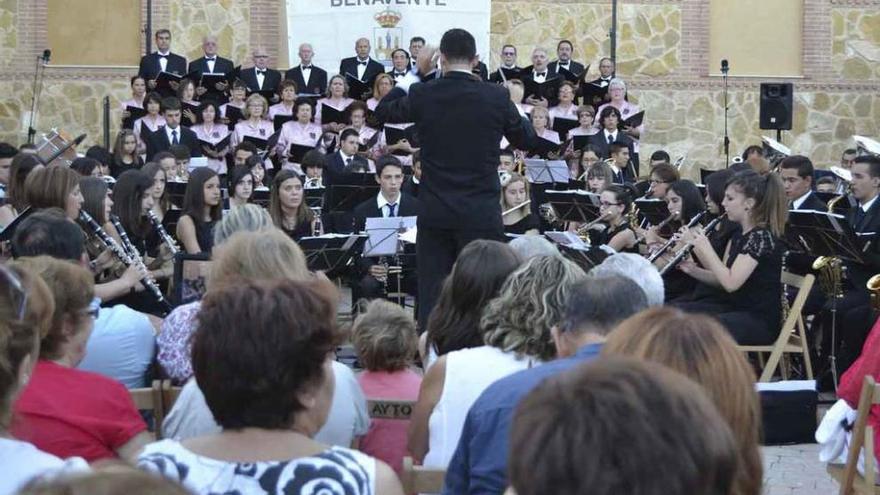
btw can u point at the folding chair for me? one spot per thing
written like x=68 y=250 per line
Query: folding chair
x=792 y=337
x=150 y=399
x=862 y=435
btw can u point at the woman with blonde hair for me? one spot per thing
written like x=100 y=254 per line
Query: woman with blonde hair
x=515 y=193
x=516 y=331
x=698 y=347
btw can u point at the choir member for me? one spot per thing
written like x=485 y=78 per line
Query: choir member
x=150 y=122
x=400 y=64
x=361 y=66
x=125 y=155
x=564 y=51
x=254 y=123
x=540 y=118
x=287 y=205
x=357 y=114
x=158 y=191
x=515 y=192
x=211 y=63
x=288 y=96
x=208 y=130
x=508 y=63
x=614 y=204
x=172 y=133
x=606 y=72
x=539 y=73
x=599 y=174
x=236 y=100
x=748 y=275
x=260 y=77
x=565 y=109
x=138 y=93
x=162 y=60
x=241 y=186
x=480 y=70
x=54 y=187
x=202 y=208
x=617 y=92
x=381 y=86
x=585 y=115
x=16 y=193
x=302 y=132
x=186 y=93
x=416 y=43
x=337 y=99
x=517 y=91
x=608 y=120
x=310 y=79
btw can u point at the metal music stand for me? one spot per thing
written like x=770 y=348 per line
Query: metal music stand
x=574 y=206
x=331 y=253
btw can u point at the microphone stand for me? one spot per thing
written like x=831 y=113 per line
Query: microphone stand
x=35 y=96
x=724 y=70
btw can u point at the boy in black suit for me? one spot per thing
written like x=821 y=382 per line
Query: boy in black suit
x=796 y=172
x=161 y=60
x=172 y=132
x=390 y=202
x=309 y=79
x=362 y=66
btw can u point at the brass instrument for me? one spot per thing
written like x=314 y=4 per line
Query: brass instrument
x=163 y=234
x=830 y=270
x=660 y=252
x=517 y=207
x=874 y=288
x=317 y=225
x=584 y=229
x=686 y=250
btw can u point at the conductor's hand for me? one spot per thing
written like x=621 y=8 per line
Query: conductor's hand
x=221 y=86
x=379 y=271
x=427 y=60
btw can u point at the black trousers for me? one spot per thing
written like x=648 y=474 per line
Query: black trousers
x=436 y=251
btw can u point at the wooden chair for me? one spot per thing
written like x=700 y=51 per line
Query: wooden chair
x=862 y=435
x=418 y=479
x=390 y=409
x=792 y=337
x=150 y=399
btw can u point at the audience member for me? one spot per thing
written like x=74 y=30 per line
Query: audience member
x=384 y=337
x=594 y=308
x=531 y=246
x=639 y=270
x=107 y=480
x=638 y=428
x=271 y=396
x=516 y=331
x=16 y=199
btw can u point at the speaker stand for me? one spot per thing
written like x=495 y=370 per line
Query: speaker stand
x=726 y=135
x=779 y=136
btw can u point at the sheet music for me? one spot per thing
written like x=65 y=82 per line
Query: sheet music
x=384 y=234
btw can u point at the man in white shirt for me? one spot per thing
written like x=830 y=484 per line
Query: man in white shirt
x=310 y=79
x=361 y=66
x=161 y=61
x=400 y=64
x=260 y=78
x=797 y=176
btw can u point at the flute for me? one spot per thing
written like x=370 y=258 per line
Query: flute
x=132 y=257
x=163 y=234
x=526 y=202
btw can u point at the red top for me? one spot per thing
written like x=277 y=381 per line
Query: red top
x=868 y=363
x=386 y=439
x=68 y=412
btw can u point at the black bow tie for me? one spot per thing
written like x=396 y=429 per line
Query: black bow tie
x=540 y=74
x=261 y=71
x=304 y=67
x=399 y=74
x=164 y=56
x=210 y=59
x=362 y=63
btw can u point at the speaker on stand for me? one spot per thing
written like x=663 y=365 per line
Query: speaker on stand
x=776 y=107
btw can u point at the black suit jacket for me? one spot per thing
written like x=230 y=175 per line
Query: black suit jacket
x=575 y=68
x=158 y=141
x=482 y=71
x=410 y=187
x=221 y=66
x=271 y=80
x=408 y=206
x=813 y=203
x=801 y=263
x=598 y=141
x=528 y=75
x=459 y=146
x=317 y=80
x=860 y=273
x=150 y=67
x=349 y=66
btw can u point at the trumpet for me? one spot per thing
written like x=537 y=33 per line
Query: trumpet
x=640 y=239
x=120 y=252
x=686 y=250
x=517 y=207
x=133 y=257
x=163 y=234
x=660 y=252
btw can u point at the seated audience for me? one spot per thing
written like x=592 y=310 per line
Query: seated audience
x=594 y=308
x=107 y=480
x=16 y=198
x=26 y=307
x=270 y=397
x=384 y=337
x=516 y=331
x=65 y=411
x=698 y=347
x=531 y=246
x=637 y=268
x=476 y=278
x=684 y=447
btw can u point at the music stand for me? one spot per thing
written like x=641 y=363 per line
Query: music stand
x=652 y=210
x=385 y=239
x=260 y=197
x=539 y=171
x=190 y=273
x=331 y=252
x=315 y=197
x=574 y=206
x=348 y=191
x=575 y=249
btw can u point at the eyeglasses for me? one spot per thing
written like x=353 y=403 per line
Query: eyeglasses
x=94 y=308
x=17 y=295
x=605 y=204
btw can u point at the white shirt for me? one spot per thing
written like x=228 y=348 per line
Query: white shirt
x=306 y=72
x=346 y=160
x=23 y=462
x=612 y=134
x=163 y=60
x=537 y=78
x=867 y=206
x=385 y=205
x=564 y=65
x=261 y=76
x=362 y=68
x=796 y=204
x=169 y=131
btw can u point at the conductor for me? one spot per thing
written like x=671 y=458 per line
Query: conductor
x=460 y=121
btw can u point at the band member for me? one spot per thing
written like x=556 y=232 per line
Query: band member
x=661 y=177
x=390 y=202
x=615 y=203
x=149 y=123
x=288 y=96
x=826 y=185
x=564 y=50
x=508 y=68
x=54 y=187
x=749 y=272
x=132 y=198
x=515 y=192
x=241 y=187
x=260 y=77
x=125 y=155
x=211 y=63
x=310 y=79
x=159 y=191
x=172 y=133
x=162 y=60
x=202 y=208
x=797 y=176
x=507 y=160
x=301 y=132
x=313 y=167
x=210 y=133
x=361 y=66
x=337 y=99
x=599 y=175
x=617 y=94
x=684 y=202
x=288 y=208
x=16 y=193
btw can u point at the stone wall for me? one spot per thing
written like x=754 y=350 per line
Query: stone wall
x=662 y=54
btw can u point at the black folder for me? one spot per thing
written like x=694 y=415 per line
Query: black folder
x=593 y=94
x=548 y=89
x=164 y=80
x=633 y=121
x=185 y=121
x=261 y=144
x=544 y=147
x=563 y=125
x=357 y=88
x=234 y=115
x=134 y=114
x=580 y=142
x=569 y=75
x=279 y=120
x=332 y=115
x=220 y=146
x=297 y=152
x=209 y=81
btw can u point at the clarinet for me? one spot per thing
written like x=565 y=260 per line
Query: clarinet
x=686 y=250
x=160 y=229
x=131 y=257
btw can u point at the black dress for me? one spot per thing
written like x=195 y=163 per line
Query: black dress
x=752 y=314
x=205 y=235
x=613 y=231
x=302 y=229
x=526 y=223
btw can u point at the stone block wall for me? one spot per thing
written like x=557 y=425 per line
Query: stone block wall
x=662 y=54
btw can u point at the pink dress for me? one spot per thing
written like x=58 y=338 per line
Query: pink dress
x=336 y=105
x=262 y=130
x=295 y=133
x=563 y=113
x=214 y=135
x=386 y=439
x=279 y=109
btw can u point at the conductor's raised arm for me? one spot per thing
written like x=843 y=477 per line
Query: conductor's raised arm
x=517 y=129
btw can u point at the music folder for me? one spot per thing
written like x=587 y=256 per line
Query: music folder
x=218 y=146
x=279 y=120
x=357 y=88
x=563 y=125
x=544 y=148
x=260 y=143
x=331 y=252
x=548 y=89
x=209 y=81
x=331 y=115
x=580 y=142
x=297 y=152
x=134 y=113
x=233 y=114
x=547 y=171
x=569 y=75
x=184 y=120
x=384 y=235
x=633 y=121
x=592 y=93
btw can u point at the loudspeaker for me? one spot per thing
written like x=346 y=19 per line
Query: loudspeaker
x=776 y=105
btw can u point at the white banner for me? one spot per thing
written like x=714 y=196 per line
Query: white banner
x=333 y=26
